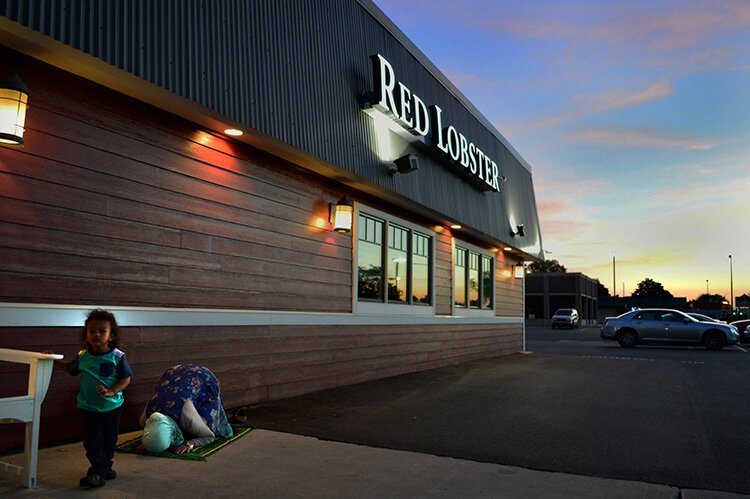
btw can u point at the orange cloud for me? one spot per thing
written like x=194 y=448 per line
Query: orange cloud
x=609 y=101
x=552 y=207
x=626 y=137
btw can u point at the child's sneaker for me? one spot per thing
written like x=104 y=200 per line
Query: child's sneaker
x=111 y=474
x=91 y=481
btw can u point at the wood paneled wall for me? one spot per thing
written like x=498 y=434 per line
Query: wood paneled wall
x=508 y=289
x=253 y=363
x=443 y=273
x=112 y=201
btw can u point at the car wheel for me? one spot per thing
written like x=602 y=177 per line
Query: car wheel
x=714 y=340
x=554 y=327
x=627 y=338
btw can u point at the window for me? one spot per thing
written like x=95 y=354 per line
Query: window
x=648 y=316
x=672 y=317
x=460 y=277
x=369 y=259
x=473 y=279
x=487 y=282
x=420 y=291
x=398 y=258
x=394 y=262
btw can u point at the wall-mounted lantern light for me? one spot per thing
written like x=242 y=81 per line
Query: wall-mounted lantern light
x=14 y=98
x=518 y=232
x=341 y=215
x=520 y=270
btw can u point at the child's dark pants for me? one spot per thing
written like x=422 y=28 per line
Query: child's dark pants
x=100 y=431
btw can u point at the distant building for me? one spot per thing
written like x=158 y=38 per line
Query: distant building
x=716 y=309
x=548 y=291
x=742 y=301
x=612 y=306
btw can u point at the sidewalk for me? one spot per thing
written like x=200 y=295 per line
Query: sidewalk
x=268 y=464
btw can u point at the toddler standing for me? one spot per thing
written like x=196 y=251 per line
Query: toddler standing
x=105 y=373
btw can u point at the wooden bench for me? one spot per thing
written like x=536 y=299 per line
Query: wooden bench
x=27 y=408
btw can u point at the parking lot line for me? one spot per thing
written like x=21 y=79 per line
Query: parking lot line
x=740 y=348
x=609 y=357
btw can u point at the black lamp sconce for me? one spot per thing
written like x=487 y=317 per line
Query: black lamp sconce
x=341 y=215
x=404 y=164
x=14 y=97
x=518 y=232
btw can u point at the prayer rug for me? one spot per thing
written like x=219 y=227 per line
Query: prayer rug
x=133 y=446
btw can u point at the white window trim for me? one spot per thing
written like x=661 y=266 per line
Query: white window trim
x=467 y=311
x=374 y=308
x=66 y=315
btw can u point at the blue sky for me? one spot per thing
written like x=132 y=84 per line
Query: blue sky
x=635 y=117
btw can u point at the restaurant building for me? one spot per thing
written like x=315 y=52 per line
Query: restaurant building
x=183 y=164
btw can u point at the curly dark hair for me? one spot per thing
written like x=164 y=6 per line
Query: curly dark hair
x=99 y=314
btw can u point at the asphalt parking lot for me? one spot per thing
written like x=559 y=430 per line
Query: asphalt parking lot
x=577 y=404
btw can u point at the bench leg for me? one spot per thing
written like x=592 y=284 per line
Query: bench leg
x=31 y=453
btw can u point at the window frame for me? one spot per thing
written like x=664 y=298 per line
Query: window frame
x=468 y=309
x=377 y=307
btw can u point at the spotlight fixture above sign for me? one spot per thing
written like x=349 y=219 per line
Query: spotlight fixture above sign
x=233 y=132
x=404 y=164
x=520 y=232
x=14 y=98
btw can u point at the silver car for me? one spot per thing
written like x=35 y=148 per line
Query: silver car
x=665 y=326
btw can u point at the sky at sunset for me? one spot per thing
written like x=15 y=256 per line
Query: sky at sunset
x=635 y=118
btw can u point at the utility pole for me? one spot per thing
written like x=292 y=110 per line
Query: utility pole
x=707 y=286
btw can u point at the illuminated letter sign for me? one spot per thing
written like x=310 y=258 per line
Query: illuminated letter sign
x=394 y=99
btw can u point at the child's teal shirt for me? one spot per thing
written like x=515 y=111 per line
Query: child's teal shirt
x=99 y=369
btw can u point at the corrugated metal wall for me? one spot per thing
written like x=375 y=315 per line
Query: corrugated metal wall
x=292 y=69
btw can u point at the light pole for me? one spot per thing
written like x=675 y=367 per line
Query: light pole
x=707 y=286
x=731 y=284
x=520 y=273
x=614 y=281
